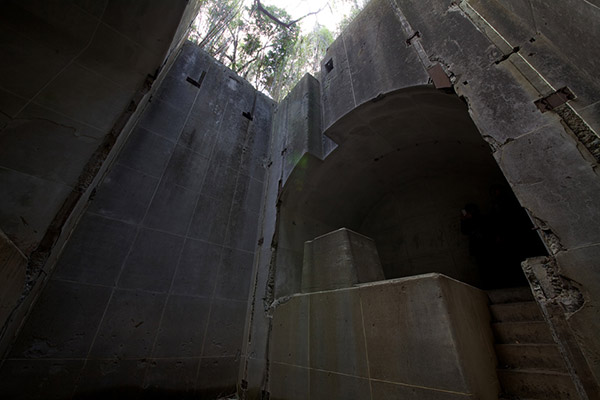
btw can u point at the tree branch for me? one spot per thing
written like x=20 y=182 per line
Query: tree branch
x=287 y=25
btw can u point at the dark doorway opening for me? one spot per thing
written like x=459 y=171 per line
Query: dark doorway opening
x=404 y=170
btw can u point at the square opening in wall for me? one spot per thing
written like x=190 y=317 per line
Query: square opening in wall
x=329 y=65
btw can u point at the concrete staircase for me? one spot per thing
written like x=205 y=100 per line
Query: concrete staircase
x=529 y=363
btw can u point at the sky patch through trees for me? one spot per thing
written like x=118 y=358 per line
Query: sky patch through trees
x=271 y=43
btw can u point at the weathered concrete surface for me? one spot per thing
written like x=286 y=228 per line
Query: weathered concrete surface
x=156 y=276
x=370 y=57
x=339 y=259
x=530 y=363
x=560 y=51
x=583 y=267
x=551 y=172
x=404 y=167
x=74 y=76
x=12 y=275
x=537 y=166
x=545 y=157
x=387 y=347
x=72 y=70
x=571 y=311
x=304 y=134
x=295 y=134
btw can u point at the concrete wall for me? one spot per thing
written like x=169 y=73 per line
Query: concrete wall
x=424 y=337
x=73 y=70
x=369 y=58
x=77 y=93
x=549 y=159
x=339 y=259
x=399 y=177
x=73 y=75
x=559 y=40
x=295 y=133
x=150 y=293
x=346 y=190
x=12 y=267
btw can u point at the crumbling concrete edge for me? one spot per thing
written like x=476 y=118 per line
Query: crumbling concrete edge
x=573 y=123
x=559 y=298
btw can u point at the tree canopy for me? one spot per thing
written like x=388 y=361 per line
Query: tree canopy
x=261 y=43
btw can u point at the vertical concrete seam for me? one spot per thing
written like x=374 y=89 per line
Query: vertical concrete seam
x=87 y=356
x=535 y=27
x=117 y=278
x=544 y=302
x=164 y=308
x=210 y=155
x=349 y=71
x=466 y=381
x=139 y=229
x=258 y=257
x=269 y=298
x=308 y=340
x=16 y=115
x=227 y=229
x=473 y=14
x=210 y=159
x=409 y=31
x=265 y=251
x=75 y=57
x=362 y=317
x=13 y=245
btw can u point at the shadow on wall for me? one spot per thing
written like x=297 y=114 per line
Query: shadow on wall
x=133 y=393
x=405 y=167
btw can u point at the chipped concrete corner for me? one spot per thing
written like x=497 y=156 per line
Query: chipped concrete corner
x=550 y=286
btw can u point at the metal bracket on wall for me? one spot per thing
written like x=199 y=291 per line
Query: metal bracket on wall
x=553 y=100
x=198 y=82
x=439 y=77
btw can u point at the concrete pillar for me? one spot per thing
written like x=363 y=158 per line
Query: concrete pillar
x=339 y=259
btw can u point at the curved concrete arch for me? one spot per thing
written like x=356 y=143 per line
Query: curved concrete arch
x=405 y=165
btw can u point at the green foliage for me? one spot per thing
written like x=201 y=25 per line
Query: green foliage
x=268 y=51
x=306 y=57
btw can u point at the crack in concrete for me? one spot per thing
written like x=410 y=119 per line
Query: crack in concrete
x=558 y=300
x=580 y=129
x=494 y=144
x=550 y=239
x=46 y=120
x=270 y=289
x=276 y=303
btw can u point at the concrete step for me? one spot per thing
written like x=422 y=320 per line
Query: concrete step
x=510 y=295
x=522 y=311
x=537 y=384
x=522 y=332
x=530 y=356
